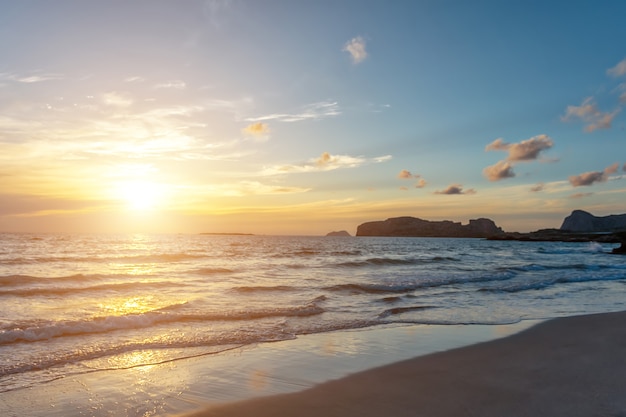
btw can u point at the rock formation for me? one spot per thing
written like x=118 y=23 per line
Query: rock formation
x=340 y=233
x=581 y=221
x=414 y=227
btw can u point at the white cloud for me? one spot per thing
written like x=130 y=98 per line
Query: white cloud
x=117 y=99
x=618 y=70
x=175 y=84
x=312 y=111
x=356 y=48
x=324 y=162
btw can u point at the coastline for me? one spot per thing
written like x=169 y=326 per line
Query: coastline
x=241 y=373
x=571 y=366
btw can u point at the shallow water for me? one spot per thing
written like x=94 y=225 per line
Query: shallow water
x=75 y=304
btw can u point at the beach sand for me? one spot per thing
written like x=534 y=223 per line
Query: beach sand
x=573 y=366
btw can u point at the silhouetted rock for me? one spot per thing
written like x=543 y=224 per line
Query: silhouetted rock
x=582 y=221
x=341 y=233
x=414 y=227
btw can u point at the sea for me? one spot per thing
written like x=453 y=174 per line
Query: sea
x=76 y=304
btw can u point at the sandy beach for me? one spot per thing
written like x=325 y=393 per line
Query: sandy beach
x=573 y=366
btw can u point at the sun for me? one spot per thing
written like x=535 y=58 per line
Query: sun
x=140 y=195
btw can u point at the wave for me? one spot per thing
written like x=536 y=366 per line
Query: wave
x=400 y=310
x=28 y=279
x=47 y=330
x=541 y=284
x=273 y=288
x=37 y=291
x=353 y=288
x=395 y=261
x=211 y=271
x=142 y=259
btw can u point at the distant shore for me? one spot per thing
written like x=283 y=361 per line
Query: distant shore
x=570 y=366
x=226 y=234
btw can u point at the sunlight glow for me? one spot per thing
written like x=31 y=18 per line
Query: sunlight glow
x=141 y=195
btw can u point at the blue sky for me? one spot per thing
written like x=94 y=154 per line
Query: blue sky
x=297 y=117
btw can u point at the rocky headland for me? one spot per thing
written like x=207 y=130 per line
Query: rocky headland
x=415 y=227
x=580 y=226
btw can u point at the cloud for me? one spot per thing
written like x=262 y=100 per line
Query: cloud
x=589 y=113
x=245 y=188
x=356 y=48
x=257 y=129
x=421 y=183
x=537 y=188
x=175 y=84
x=312 y=111
x=618 y=70
x=612 y=169
x=456 y=189
x=325 y=162
x=590 y=178
x=525 y=150
x=580 y=195
x=116 y=99
x=405 y=174
x=499 y=171
x=29 y=79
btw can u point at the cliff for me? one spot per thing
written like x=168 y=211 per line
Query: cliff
x=414 y=227
x=581 y=221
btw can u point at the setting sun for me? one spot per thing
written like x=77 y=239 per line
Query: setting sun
x=141 y=195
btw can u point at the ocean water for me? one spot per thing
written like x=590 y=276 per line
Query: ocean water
x=75 y=304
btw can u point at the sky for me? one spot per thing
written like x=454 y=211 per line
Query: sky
x=304 y=117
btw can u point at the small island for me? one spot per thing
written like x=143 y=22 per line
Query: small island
x=341 y=233
x=415 y=227
x=226 y=234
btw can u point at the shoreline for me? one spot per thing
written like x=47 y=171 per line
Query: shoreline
x=570 y=366
x=243 y=373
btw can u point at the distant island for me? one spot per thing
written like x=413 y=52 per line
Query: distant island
x=341 y=233
x=415 y=227
x=227 y=234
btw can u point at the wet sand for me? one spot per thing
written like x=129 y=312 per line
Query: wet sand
x=573 y=366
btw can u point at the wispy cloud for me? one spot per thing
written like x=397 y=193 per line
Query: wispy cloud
x=455 y=189
x=174 y=84
x=325 y=162
x=312 y=111
x=34 y=77
x=538 y=187
x=526 y=150
x=356 y=48
x=592 y=177
x=589 y=113
x=580 y=195
x=258 y=130
x=618 y=70
x=247 y=188
x=117 y=99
